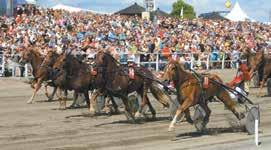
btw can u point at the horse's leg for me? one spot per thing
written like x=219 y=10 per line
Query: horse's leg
x=46 y=90
x=151 y=108
x=143 y=94
x=36 y=89
x=93 y=99
x=87 y=98
x=226 y=99
x=51 y=97
x=128 y=113
x=75 y=97
x=262 y=84
x=65 y=99
x=183 y=107
x=60 y=98
x=207 y=111
x=115 y=105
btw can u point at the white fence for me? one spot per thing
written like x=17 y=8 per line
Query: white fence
x=2 y=64
x=157 y=63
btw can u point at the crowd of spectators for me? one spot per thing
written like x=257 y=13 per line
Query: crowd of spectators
x=130 y=37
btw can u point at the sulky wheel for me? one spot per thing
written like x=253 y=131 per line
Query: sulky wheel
x=252 y=115
x=198 y=118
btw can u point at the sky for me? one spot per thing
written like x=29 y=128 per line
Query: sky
x=257 y=9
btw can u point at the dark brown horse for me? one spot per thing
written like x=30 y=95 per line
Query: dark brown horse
x=191 y=92
x=70 y=74
x=113 y=78
x=40 y=73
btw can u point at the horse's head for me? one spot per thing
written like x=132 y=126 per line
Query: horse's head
x=60 y=63
x=99 y=59
x=170 y=71
x=50 y=58
x=25 y=56
x=256 y=62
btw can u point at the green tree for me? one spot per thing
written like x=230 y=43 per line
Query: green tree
x=188 y=10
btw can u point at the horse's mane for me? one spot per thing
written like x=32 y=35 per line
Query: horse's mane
x=110 y=56
x=35 y=52
x=177 y=64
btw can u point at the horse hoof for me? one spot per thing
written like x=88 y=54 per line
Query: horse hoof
x=138 y=115
x=29 y=102
x=92 y=111
x=170 y=129
x=241 y=116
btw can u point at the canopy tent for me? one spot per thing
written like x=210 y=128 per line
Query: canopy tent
x=67 y=8
x=237 y=14
x=75 y=9
x=20 y=2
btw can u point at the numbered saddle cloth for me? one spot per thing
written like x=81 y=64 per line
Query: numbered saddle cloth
x=93 y=72
x=205 y=82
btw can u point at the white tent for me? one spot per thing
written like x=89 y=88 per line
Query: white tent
x=34 y=2
x=237 y=14
x=75 y=9
x=67 y=8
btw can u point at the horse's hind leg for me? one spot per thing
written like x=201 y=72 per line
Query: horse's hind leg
x=143 y=94
x=225 y=98
x=87 y=98
x=127 y=109
x=153 y=112
x=207 y=111
x=51 y=97
x=115 y=105
x=93 y=99
x=75 y=97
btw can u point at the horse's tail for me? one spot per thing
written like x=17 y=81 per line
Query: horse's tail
x=159 y=94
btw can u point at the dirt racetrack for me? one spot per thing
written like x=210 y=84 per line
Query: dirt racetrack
x=41 y=126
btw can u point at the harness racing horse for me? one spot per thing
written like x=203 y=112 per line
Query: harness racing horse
x=113 y=78
x=40 y=72
x=262 y=64
x=191 y=91
x=71 y=74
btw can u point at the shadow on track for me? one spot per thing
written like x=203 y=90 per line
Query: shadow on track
x=210 y=131
x=138 y=121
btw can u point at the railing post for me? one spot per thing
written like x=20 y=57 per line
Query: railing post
x=138 y=59
x=3 y=65
x=191 y=61
x=208 y=62
x=223 y=61
x=25 y=70
x=157 y=62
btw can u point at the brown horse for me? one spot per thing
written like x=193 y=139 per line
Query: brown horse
x=40 y=73
x=70 y=74
x=113 y=78
x=191 y=92
x=263 y=66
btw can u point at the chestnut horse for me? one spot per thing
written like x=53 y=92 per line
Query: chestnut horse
x=113 y=77
x=263 y=64
x=191 y=91
x=40 y=72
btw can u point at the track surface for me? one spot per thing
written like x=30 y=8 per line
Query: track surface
x=42 y=126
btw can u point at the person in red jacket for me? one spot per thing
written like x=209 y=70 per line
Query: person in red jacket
x=242 y=77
